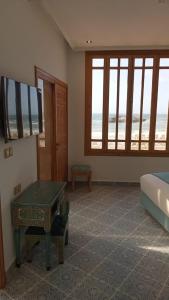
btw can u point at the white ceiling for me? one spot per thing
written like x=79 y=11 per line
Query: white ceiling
x=111 y=23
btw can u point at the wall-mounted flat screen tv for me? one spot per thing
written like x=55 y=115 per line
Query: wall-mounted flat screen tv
x=20 y=109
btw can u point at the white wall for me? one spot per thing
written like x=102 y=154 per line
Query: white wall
x=105 y=168
x=27 y=38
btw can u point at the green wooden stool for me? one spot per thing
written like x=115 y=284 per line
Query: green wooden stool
x=81 y=171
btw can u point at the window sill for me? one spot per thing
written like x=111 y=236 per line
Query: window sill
x=95 y=152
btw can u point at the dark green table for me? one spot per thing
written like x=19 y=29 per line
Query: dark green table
x=36 y=206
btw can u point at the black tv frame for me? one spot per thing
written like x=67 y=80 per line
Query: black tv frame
x=4 y=123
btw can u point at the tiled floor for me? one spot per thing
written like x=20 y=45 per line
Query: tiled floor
x=116 y=251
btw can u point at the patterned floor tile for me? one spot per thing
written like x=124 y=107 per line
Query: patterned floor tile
x=38 y=264
x=70 y=249
x=125 y=204
x=100 y=246
x=111 y=273
x=152 y=222
x=75 y=208
x=164 y=295
x=85 y=260
x=124 y=226
x=137 y=215
x=105 y=219
x=137 y=287
x=114 y=234
x=128 y=204
x=100 y=207
x=88 y=213
x=162 y=241
x=136 y=245
x=93 y=228
x=116 y=251
x=93 y=289
x=66 y=277
x=19 y=281
x=126 y=257
x=116 y=212
x=153 y=269
x=159 y=252
x=79 y=237
x=152 y=231
x=77 y=220
x=121 y=296
x=44 y=291
x=3 y=296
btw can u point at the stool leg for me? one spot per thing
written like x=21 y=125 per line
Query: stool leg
x=48 y=242
x=17 y=235
x=28 y=250
x=67 y=237
x=73 y=182
x=61 y=250
x=89 y=181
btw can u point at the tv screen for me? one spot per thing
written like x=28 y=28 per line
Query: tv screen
x=36 y=110
x=9 y=109
x=25 y=110
x=20 y=109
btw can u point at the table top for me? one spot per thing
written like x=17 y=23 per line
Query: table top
x=40 y=194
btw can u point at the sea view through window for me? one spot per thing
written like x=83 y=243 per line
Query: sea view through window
x=127 y=103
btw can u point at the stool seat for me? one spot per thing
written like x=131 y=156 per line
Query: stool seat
x=58 y=227
x=81 y=170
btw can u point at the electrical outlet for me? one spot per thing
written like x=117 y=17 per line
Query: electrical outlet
x=10 y=151
x=17 y=189
x=6 y=153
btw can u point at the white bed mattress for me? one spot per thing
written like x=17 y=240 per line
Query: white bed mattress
x=157 y=190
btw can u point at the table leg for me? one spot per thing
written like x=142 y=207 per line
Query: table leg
x=61 y=249
x=89 y=181
x=17 y=239
x=67 y=237
x=48 y=252
x=73 y=182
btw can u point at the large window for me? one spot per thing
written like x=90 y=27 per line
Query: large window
x=127 y=103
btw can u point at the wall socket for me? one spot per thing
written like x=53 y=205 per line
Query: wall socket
x=17 y=189
x=8 y=152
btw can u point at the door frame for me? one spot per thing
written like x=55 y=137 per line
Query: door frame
x=2 y=265
x=41 y=74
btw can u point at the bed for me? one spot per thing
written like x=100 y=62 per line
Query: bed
x=155 y=196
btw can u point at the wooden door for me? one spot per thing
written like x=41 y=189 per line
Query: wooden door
x=45 y=141
x=61 y=171
x=52 y=147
